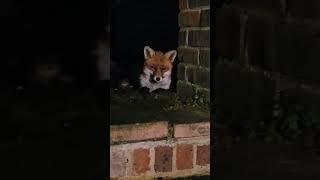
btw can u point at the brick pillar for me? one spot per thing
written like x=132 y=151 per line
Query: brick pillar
x=194 y=48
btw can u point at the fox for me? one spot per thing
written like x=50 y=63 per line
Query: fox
x=157 y=69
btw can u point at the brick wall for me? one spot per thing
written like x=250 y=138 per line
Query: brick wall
x=194 y=48
x=152 y=150
x=266 y=49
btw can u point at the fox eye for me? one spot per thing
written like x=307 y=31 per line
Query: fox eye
x=163 y=69
x=152 y=67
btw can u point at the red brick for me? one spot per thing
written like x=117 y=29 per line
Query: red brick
x=198 y=3
x=183 y=4
x=184 y=156
x=118 y=164
x=205 y=18
x=202 y=78
x=163 y=159
x=203 y=155
x=191 y=74
x=192 y=130
x=190 y=18
x=204 y=58
x=199 y=38
x=135 y=132
x=141 y=160
x=188 y=55
x=181 y=74
x=182 y=38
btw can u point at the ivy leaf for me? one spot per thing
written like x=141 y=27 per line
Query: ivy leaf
x=293 y=125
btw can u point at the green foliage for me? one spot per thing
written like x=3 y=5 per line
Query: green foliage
x=289 y=124
x=153 y=106
x=178 y=103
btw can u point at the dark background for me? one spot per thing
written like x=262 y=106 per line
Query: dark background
x=266 y=89
x=135 y=24
x=34 y=28
x=53 y=131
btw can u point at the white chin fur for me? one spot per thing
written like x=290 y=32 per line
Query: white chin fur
x=163 y=84
x=167 y=74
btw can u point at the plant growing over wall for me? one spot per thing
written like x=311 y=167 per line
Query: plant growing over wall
x=197 y=101
x=291 y=122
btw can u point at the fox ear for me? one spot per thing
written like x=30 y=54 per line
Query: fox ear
x=148 y=52
x=171 y=55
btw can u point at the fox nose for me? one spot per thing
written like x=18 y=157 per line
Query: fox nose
x=157 y=78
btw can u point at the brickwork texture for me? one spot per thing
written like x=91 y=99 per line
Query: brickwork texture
x=185 y=152
x=261 y=47
x=194 y=48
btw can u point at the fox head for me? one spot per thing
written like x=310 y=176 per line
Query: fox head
x=158 y=64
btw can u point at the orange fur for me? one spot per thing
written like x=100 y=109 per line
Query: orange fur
x=157 y=69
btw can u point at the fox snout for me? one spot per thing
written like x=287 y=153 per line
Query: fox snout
x=155 y=78
x=158 y=78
